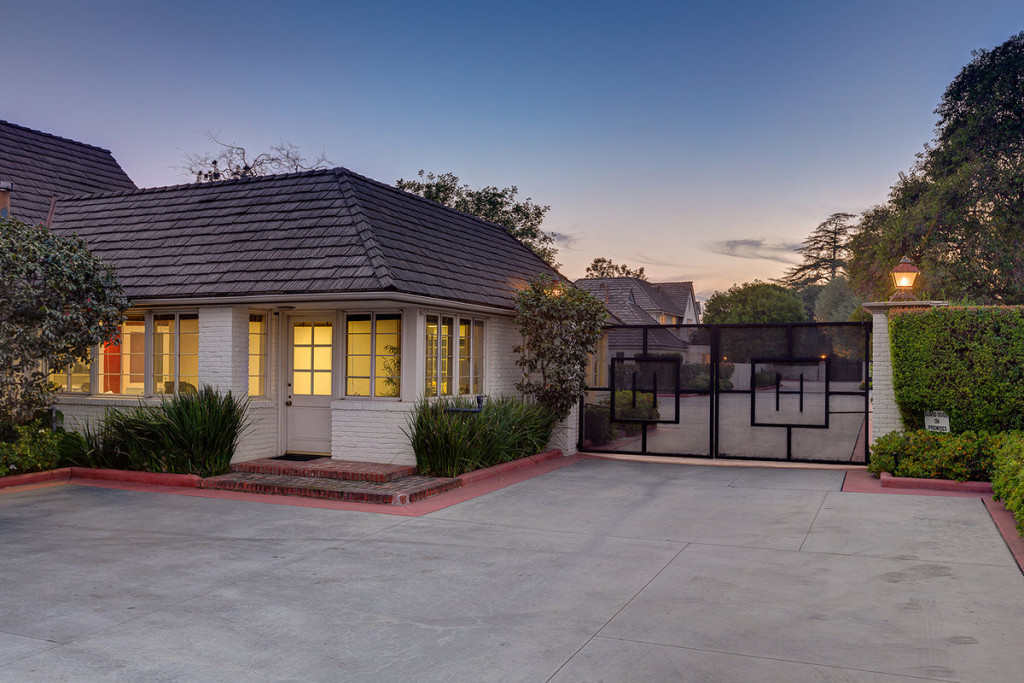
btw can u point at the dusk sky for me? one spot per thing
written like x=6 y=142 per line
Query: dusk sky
x=702 y=141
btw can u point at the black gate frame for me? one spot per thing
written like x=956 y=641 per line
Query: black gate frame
x=714 y=391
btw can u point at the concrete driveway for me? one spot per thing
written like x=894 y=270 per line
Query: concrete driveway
x=601 y=571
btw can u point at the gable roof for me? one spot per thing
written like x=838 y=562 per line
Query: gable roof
x=316 y=232
x=679 y=292
x=629 y=297
x=42 y=166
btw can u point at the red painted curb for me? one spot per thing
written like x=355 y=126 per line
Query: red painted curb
x=1007 y=526
x=506 y=468
x=154 y=478
x=62 y=474
x=891 y=482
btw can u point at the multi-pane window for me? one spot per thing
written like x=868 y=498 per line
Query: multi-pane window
x=597 y=368
x=373 y=358
x=440 y=338
x=175 y=353
x=312 y=358
x=445 y=372
x=123 y=362
x=471 y=356
x=75 y=379
x=257 y=354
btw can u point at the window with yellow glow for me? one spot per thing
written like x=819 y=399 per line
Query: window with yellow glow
x=123 y=362
x=175 y=353
x=75 y=380
x=373 y=358
x=257 y=354
x=445 y=372
x=597 y=368
x=312 y=358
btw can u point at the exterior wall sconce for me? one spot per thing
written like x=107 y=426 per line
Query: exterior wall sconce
x=903 y=276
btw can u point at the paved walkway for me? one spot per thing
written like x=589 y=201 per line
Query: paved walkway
x=600 y=571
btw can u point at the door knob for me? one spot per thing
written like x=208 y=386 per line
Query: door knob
x=288 y=402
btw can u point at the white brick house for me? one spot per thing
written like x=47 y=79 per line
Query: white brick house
x=333 y=301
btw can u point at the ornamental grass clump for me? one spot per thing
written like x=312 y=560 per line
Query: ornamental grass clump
x=449 y=441
x=190 y=433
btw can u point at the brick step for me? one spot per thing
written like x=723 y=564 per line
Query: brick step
x=396 y=492
x=326 y=468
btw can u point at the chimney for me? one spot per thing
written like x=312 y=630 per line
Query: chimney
x=5 y=198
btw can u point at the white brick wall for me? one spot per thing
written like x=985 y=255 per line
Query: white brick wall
x=502 y=372
x=371 y=431
x=885 y=416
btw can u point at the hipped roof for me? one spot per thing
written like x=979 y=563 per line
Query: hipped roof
x=317 y=232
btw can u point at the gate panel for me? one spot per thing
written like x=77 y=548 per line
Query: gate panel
x=773 y=392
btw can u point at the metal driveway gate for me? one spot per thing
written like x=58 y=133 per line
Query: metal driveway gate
x=770 y=392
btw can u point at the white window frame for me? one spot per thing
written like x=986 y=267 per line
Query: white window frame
x=454 y=358
x=373 y=355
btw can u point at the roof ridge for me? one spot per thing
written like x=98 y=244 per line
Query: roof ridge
x=55 y=137
x=371 y=246
x=211 y=183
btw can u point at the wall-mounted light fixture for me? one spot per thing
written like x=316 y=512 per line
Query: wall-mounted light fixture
x=903 y=276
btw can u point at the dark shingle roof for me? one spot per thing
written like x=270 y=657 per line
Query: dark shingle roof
x=629 y=297
x=679 y=292
x=42 y=166
x=318 y=232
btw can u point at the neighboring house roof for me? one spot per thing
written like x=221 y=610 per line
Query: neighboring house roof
x=682 y=294
x=42 y=166
x=316 y=232
x=626 y=296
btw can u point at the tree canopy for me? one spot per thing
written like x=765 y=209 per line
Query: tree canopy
x=754 y=302
x=57 y=301
x=602 y=267
x=959 y=212
x=233 y=161
x=825 y=253
x=522 y=219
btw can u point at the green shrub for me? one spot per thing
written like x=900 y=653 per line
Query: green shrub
x=646 y=408
x=967 y=362
x=448 y=443
x=33 y=447
x=597 y=424
x=190 y=433
x=1008 y=476
x=930 y=455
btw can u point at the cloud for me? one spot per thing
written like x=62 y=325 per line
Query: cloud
x=648 y=261
x=566 y=240
x=757 y=249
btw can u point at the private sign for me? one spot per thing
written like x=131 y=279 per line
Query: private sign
x=936 y=421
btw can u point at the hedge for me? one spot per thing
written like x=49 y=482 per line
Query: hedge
x=1008 y=476
x=966 y=362
x=928 y=455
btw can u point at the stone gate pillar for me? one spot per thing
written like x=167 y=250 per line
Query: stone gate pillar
x=885 y=415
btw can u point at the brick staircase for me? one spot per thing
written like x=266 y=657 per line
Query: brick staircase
x=329 y=479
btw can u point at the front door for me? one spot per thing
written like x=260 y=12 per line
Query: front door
x=309 y=385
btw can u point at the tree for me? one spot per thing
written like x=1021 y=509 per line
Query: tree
x=57 y=301
x=561 y=326
x=522 y=219
x=959 y=212
x=232 y=162
x=825 y=253
x=602 y=267
x=836 y=302
x=754 y=302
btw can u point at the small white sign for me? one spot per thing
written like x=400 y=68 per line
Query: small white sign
x=936 y=421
